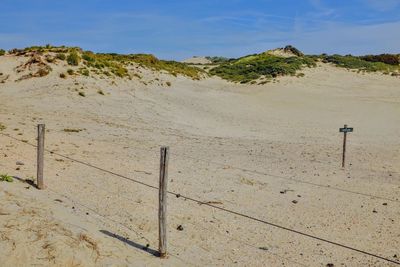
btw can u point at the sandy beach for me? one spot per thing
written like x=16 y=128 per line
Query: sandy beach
x=271 y=152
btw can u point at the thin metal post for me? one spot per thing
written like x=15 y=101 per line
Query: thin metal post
x=344 y=147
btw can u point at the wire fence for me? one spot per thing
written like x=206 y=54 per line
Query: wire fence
x=178 y=195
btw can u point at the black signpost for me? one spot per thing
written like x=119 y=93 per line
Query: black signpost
x=345 y=130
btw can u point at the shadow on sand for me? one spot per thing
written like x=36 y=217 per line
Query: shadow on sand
x=28 y=181
x=131 y=243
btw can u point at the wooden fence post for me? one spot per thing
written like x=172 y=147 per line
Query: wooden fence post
x=162 y=210
x=40 y=155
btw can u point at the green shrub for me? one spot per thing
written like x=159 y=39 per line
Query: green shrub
x=253 y=67
x=384 y=58
x=73 y=58
x=168 y=83
x=357 y=63
x=61 y=56
x=70 y=71
x=62 y=75
x=2 y=127
x=100 y=92
x=6 y=178
x=82 y=94
x=88 y=56
x=2 y=52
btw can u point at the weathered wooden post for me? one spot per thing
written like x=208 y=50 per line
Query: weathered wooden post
x=40 y=155
x=345 y=130
x=162 y=210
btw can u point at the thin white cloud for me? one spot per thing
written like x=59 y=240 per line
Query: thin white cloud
x=383 y=5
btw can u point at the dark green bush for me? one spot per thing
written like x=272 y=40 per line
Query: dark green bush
x=384 y=58
x=88 y=56
x=249 y=68
x=2 y=52
x=353 y=62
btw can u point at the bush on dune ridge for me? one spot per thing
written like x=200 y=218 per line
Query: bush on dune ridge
x=253 y=67
x=73 y=58
x=373 y=64
x=245 y=69
x=112 y=62
x=384 y=58
x=117 y=64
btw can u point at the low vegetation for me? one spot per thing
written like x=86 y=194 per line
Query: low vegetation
x=219 y=60
x=44 y=49
x=61 y=56
x=2 y=52
x=384 y=58
x=267 y=65
x=253 y=67
x=6 y=178
x=2 y=127
x=365 y=63
x=257 y=68
x=73 y=58
x=117 y=64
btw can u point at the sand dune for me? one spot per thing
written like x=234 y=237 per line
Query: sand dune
x=272 y=152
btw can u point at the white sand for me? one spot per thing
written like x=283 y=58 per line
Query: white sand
x=215 y=130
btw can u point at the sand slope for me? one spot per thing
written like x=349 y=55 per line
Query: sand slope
x=272 y=152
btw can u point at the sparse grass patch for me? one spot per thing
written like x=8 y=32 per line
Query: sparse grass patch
x=44 y=71
x=6 y=178
x=2 y=127
x=85 y=72
x=61 y=56
x=73 y=58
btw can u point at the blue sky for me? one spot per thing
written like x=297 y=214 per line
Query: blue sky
x=179 y=29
